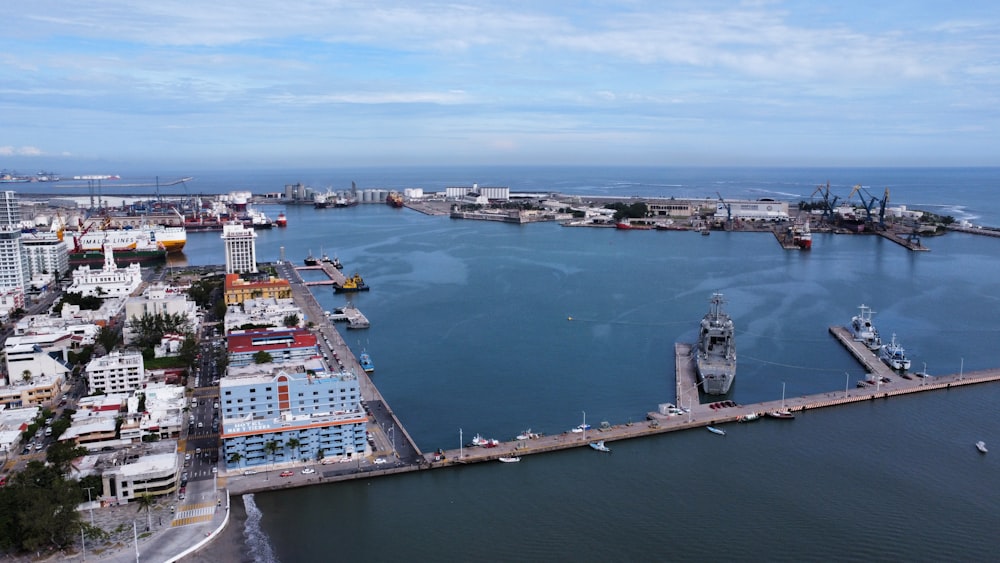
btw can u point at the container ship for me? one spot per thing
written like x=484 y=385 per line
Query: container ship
x=716 y=360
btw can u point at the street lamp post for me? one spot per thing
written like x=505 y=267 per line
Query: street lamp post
x=847 y=383
x=90 y=503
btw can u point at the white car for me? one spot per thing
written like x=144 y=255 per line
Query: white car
x=249 y=472
x=187 y=457
x=308 y=471
x=380 y=461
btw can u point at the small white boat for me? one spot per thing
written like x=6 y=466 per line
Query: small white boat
x=715 y=430
x=748 y=417
x=981 y=446
x=509 y=459
x=599 y=446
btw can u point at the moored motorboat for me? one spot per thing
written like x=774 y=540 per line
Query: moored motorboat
x=785 y=414
x=311 y=260
x=715 y=430
x=599 y=446
x=509 y=459
x=981 y=446
x=748 y=417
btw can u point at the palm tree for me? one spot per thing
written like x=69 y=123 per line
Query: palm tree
x=146 y=501
x=235 y=458
x=270 y=447
x=293 y=444
x=26 y=375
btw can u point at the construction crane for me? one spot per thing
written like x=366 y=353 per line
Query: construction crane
x=729 y=211
x=828 y=204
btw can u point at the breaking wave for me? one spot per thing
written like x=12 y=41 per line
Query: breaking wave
x=257 y=541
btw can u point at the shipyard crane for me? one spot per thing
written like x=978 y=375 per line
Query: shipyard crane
x=881 y=209
x=729 y=211
x=867 y=204
x=828 y=204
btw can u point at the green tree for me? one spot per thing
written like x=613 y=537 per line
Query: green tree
x=270 y=447
x=262 y=357
x=108 y=337
x=26 y=376
x=235 y=458
x=293 y=444
x=38 y=510
x=146 y=501
x=188 y=352
x=291 y=320
x=62 y=453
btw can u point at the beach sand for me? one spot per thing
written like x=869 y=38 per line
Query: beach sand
x=230 y=545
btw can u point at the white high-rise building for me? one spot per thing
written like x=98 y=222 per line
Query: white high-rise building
x=241 y=250
x=14 y=273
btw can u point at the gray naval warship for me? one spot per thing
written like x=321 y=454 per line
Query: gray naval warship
x=716 y=359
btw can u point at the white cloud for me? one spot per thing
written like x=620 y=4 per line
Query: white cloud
x=20 y=151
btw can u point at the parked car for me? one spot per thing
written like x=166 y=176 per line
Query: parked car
x=249 y=472
x=380 y=461
x=287 y=474
x=308 y=471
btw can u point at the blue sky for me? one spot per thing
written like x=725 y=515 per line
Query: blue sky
x=323 y=83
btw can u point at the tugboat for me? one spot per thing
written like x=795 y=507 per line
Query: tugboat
x=335 y=262
x=716 y=350
x=801 y=235
x=351 y=285
x=366 y=363
x=281 y=221
x=894 y=356
x=311 y=260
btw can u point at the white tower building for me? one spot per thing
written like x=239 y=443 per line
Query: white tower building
x=241 y=250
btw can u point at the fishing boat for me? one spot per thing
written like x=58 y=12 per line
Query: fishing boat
x=716 y=350
x=981 y=446
x=599 y=446
x=715 y=430
x=366 y=363
x=894 y=355
x=351 y=285
x=527 y=435
x=862 y=329
x=509 y=459
x=478 y=440
x=311 y=260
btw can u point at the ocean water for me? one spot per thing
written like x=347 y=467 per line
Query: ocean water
x=472 y=332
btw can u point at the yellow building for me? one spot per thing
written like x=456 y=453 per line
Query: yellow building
x=239 y=290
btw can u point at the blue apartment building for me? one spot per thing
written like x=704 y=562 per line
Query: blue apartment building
x=321 y=410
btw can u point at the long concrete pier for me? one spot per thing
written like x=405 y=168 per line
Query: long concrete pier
x=695 y=415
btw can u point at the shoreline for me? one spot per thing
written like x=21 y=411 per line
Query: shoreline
x=230 y=545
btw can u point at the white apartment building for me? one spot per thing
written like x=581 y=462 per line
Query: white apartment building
x=14 y=271
x=241 y=250
x=115 y=373
x=46 y=253
x=156 y=301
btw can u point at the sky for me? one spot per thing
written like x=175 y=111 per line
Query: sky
x=326 y=83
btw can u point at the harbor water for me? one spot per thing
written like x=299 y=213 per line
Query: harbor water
x=482 y=327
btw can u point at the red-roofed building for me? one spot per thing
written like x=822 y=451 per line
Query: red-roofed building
x=283 y=344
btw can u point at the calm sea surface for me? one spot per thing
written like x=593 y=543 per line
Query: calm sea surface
x=471 y=332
